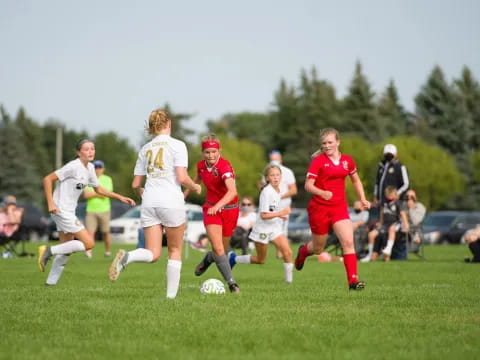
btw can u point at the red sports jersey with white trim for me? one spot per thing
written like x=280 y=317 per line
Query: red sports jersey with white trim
x=214 y=179
x=331 y=177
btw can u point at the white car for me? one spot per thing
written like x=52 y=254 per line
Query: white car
x=124 y=229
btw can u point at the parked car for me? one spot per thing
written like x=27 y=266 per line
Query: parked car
x=437 y=223
x=125 y=228
x=298 y=226
x=117 y=209
x=459 y=226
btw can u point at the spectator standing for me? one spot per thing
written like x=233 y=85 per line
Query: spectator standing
x=99 y=208
x=390 y=172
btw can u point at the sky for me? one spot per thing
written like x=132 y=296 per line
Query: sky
x=104 y=65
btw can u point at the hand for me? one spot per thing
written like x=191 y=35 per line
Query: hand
x=198 y=189
x=213 y=210
x=365 y=204
x=52 y=209
x=326 y=195
x=128 y=201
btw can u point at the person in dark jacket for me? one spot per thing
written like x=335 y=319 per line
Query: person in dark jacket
x=391 y=172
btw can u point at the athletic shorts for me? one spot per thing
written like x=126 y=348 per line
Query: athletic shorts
x=98 y=220
x=227 y=218
x=150 y=216
x=322 y=217
x=67 y=222
x=264 y=238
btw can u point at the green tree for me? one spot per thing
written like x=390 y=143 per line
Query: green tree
x=19 y=176
x=469 y=89
x=391 y=114
x=359 y=111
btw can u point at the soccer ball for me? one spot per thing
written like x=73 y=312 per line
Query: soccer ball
x=212 y=286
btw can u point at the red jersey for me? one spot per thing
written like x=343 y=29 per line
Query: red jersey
x=214 y=179
x=331 y=177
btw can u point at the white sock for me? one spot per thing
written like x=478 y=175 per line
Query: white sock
x=243 y=259
x=370 y=250
x=68 y=247
x=389 y=245
x=140 y=255
x=58 y=264
x=288 y=268
x=173 y=277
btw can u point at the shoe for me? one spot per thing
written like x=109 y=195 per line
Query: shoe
x=357 y=285
x=88 y=253
x=467 y=260
x=44 y=254
x=118 y=264
x=234 y=288
x=202 y=267
x=231 y=259
x=300 y=259
x=366 y=259
x=107 y=254
x=387 y=252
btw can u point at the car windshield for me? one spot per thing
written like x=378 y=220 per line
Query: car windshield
x=194 y=215
x=467 y=220
x=438 y=220
x=132 y=213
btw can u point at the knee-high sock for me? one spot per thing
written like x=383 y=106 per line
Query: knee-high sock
x=139 y=255
x=67 y=248
x=243 y=259
x=58 y=264
x=350 y=262
x=288 y=269
x=173 y=277
x=224 y=267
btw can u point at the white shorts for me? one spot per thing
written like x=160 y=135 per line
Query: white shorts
x=160 y=216
x=285 y=227
x=264 y=237
x=67 y=222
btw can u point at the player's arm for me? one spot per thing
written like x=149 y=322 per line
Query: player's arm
x=312 y=189
x=198 y=181
x=102 y=191
x=270 y=215
x=185 y=180
x=227 y=198
x=90 y=194
x=292 y=191
x=137 y=185
x=48 y=189
x=358 y=186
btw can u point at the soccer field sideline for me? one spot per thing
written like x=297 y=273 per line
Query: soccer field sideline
x=411 y=309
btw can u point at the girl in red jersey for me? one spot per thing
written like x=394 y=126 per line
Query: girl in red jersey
x=328 y=207
x=220 y=211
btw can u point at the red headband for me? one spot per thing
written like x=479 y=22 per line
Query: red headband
x=209 y=144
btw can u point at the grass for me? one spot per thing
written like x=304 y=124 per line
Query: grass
x=409 y=310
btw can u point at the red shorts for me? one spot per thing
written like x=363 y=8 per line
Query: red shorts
x=227 y=218
x=322 y=217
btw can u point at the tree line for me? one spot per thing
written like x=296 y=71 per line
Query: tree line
x=439 y=141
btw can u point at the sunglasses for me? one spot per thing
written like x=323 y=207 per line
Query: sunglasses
x=246 y=204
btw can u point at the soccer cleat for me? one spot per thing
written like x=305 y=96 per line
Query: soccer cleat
x=300 y=259
x=234 y=288
x=357 y=285
x=44 y=255
x=118 y=264
x=232 y=259
x=202 y=267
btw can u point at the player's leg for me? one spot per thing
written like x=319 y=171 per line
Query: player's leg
x=59 y=262
x=282 y=245
x=344 y=231
x=174 y=264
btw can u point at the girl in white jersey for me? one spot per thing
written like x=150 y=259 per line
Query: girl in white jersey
x=269 y=225
x=163 y=162
x=72 y=178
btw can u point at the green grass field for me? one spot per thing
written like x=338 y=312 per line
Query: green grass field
x=409 y=310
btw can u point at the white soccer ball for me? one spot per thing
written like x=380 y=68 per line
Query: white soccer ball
x=212 y=286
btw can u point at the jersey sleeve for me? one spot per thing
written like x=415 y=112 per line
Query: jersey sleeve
x=68 y=170
x=264 y=201
x=314 y=168
x=92 y=177
x=226 y=171
x=181 y=156
x=141 y=165
x=352 y=166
